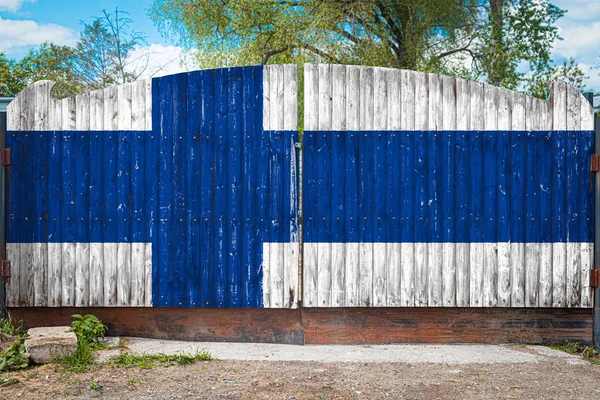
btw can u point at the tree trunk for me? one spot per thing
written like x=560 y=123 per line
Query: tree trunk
x=496 y=42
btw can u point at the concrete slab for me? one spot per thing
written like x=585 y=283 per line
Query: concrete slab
x=49 y=343
x=438 y=354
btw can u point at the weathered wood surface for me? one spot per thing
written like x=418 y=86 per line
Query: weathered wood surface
x=394 y=156
x=334 y=325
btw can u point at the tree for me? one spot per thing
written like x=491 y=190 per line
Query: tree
x=10 y=84
x=568 y=72
x=484 y=40
x=103 y=53
x=408 y=34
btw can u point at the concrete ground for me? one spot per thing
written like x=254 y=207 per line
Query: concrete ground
x=398 y=353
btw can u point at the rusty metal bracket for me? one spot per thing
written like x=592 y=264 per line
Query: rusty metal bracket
x=5 y=156
x=595 y=278
x=5 y=269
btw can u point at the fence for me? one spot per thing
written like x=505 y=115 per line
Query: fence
x=419 y=190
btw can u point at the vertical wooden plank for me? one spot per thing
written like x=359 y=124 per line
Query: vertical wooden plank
x=395 y=198
x=490 y=264
x=421 y=125
x=448 y=192
x=434 y=256
x=68 y=203
x=476 y=256
x=517 y=202
x=311 y=118
x=138 y=247
x=150 y=195
x=365 y=192
x=124 y=120
x=54 y=209
x=26 y=271
x=324 y=199
x=40 y=245
x=462 y=160
x=352 y=267
x=380 y=117
x=96 y=156
x=82 y=200
x=543 y=142
x=109 y=189
x=409 y=273
x=573 y=170
x=559 y=186
x=290 y=111
x=338 y=164
x=586 y=225
x=503 y=211
x=14 y=139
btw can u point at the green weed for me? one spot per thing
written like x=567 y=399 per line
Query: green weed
x=15 y=357
x=5 y=381
x=89 y=330
x=9 y=328
x=149 y=361
x=587 y=352
x=95 y=385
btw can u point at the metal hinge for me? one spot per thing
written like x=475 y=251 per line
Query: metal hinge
x=5 y=156
x=595 y=278
x=595 y=164
x=5 y=269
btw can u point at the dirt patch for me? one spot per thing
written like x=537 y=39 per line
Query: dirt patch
x=305 y=380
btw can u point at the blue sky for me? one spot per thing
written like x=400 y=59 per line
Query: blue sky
x=27 y=23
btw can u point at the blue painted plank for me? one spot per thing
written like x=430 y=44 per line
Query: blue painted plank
x=339 y=177
x=573 y=180
x=82 y=182
x=421 y=183
x=586 y=199
x=434 y=189
x=165 y=192
x=96 y=156
x=380 y=186
x=55 y=188
x=221 y=191
x=532 y=174
x=490 y=186
x=401 y=186
x=152 y=177
x=503 y=212
x=234 y=185
x=256 y=130
x=179 y=256
x=41 y=167
x=248 y=246
x=448 y=190
x=463 y=175
x=544 y=144
x=476 y=187
x=559 y=187
x=193 y=188
x=517 y=186
x=208 y=163
x=68 y=187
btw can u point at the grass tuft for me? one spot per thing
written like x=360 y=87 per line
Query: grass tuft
x=149 y=361
x=587 y=352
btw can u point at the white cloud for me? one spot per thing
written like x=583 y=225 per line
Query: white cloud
x=158 y=60
x=19 y=34
x=12 y=5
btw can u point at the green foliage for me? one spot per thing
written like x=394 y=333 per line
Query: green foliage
x=6 y=381
x=95 y=385
x=9 y=328
x=15 y=357
x=149 y=361
x=89 y=329
x=569 y=72
x=587 y=352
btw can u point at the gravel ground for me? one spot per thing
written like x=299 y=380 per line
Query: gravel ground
x=551 y=376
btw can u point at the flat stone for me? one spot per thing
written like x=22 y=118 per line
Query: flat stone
x=47 y=344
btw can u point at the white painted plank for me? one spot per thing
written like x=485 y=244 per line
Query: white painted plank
x=449 y=249
x=365 y=256
x=490 y=256
x=148 y=246
x=573 y=263
x=55 y=249
x=12 y=285
x=559 y=250
x=476 y=263
x=403 y=254
x=380 y=117
x=517 y=257
x=96 y=265
x=311 y=118
x=111 y=112
x=40 y=250
x=420 y=121
x=324 y=249
x=290 y=100
x=435 y=249
x=504 y=267
x=82 y=250
x=338 y=123
x=352 y=267
x=544 y=122
x=266 y=273
x=463 y=114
